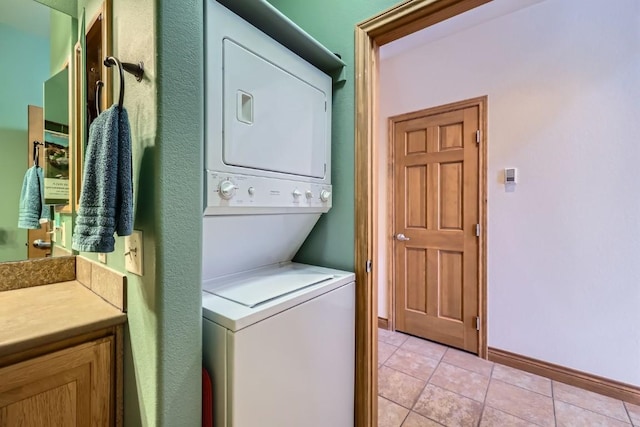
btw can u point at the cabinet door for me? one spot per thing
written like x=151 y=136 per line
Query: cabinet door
x=71 y=387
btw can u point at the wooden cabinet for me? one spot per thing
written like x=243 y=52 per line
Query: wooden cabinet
x=73 y=386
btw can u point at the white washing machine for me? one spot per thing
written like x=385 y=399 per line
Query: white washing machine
x=280 y=344
x=278 y=337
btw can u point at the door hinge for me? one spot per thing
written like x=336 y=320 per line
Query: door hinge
x=478 y=136
x=368 y=266
x=477 y=230
x=477 y=323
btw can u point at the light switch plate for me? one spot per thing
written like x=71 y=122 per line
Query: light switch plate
x=63 y=236
x=133 y=252
x=102 y=257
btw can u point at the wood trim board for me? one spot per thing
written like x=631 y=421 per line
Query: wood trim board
x=584 y=380
x=390 y=25
x=383 y=323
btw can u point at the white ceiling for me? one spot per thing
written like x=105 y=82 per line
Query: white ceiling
x=25 y=15
x=472 y=18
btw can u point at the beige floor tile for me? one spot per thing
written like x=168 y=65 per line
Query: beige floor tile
x=385 y=351
x=424 y=347
x=588 y=400
x=468 y=361
x=492 y=417
x=392 y=337
x=525 y=404
x=634 y=413
x=411 y=363
x=415 y=420
x=390 y=414
x=461 y=381
x=568 y=415
x=522 y=379
x=448 y=408
x=400 y=388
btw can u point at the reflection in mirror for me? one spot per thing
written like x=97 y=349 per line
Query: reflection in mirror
x=56 y=139
x=35 y=43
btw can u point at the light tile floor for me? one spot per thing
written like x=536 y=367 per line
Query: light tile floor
x=424 y=384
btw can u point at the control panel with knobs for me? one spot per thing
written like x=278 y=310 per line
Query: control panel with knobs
x=227 y=189
x=234 y=193
x=325 y=195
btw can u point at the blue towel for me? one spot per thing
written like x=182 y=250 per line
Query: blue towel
x=32 y=207
x=106 y=199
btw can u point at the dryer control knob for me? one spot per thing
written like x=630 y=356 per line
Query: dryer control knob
x=227 y=189
x=325 y=195
x=309 y=194
x=296 y=194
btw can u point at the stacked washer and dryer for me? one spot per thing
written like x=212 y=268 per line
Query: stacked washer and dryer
x=278 y=336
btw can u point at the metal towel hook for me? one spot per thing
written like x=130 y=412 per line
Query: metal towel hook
x=36 y=153
x=99 y=86
x=136 y=69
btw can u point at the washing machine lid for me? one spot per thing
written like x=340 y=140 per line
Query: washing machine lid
x=235 y=316
x=254 y=291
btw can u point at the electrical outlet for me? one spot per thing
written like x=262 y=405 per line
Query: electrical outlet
x=63 y=236
x=133 y=252
x=102 y=257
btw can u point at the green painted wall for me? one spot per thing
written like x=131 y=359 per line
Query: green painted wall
x=56 y=98
x=24 y=68
x=63 y=37
x=163 y=335
x=178 y=208
x=332 y=23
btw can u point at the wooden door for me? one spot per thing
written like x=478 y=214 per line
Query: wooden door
x=71 y=387
x=36 y=133
x=436 y=186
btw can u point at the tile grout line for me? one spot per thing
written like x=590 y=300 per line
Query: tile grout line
x=470 y=370
x=523 y=388
x=553 y=402
x=508 y=412
x=491 y=378
x=486 y=393
x=399 y=404
x=589 y=409
x=624 y=405
x=425 y=386
x=523 y=372
x=630 y=423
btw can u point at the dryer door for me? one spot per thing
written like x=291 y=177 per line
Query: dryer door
x=273 y=120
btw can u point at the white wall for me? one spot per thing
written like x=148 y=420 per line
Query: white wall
x=563 y=81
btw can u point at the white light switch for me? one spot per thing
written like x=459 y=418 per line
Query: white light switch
x=133 y=252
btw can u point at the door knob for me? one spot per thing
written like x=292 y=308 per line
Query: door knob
x=41 y=244
x=401 y=237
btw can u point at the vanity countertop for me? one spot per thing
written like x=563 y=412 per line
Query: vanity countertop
x=39 y=315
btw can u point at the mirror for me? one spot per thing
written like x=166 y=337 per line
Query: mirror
x=56 y=164
x=36 y=42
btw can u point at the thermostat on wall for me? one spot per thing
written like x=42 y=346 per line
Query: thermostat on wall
x=510 y=175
